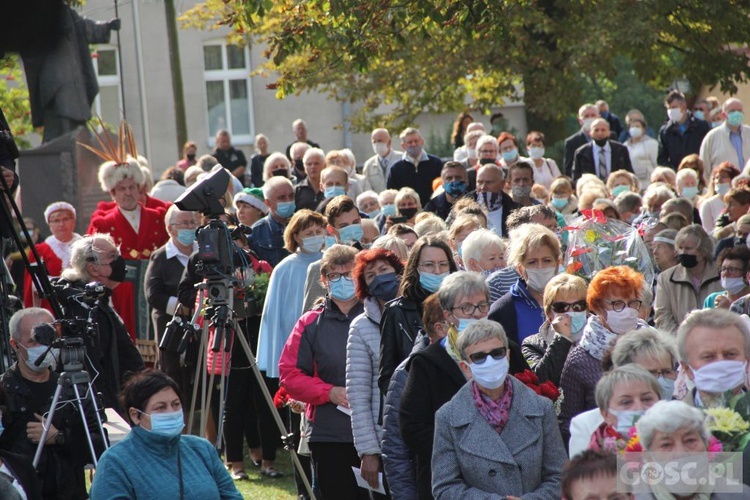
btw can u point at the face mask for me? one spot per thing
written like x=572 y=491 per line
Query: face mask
x=34 y=353
x=623 y=321
x=313 y=244
x=536 y=152
x=700 y=115
x=414 y=152
x=492 y=201
x=667 y=387
x=351 y=232
x=333 y=191
x=408 y=212
x=587 y=124
x=735 y=118
x=675 y=114
x=186 y=236
x=722 y=189
x=521 y=191
x=285 y=209
x=118 y=269
x=626 y=419
x=720 y=376
x=600 y=142
x=733 y=285
x=689 y=192
x=559 y=203
x=715 y=124
x=191 y=157
x=510 y=156
x=455 y=188
x=618 y=190
x=431 y=282
x=488 y=272
x=635 y=132
x=373 y=214
x=299 y=165
x=490 y=374
x=282 y=172
x=380 y=148
x=537 y=279
x=687 y=261
x=487 y=161
x=384 y=286
x=471 y=152
x=604 y=114
x=463 y=324
x=389 y=209
x=343 y=289
x=330 y=241
x=167 y=424
x=577 y=322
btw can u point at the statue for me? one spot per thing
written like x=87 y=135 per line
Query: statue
x=61 y=78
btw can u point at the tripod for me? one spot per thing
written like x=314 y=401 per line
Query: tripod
x=220 y=296
x=73 y=375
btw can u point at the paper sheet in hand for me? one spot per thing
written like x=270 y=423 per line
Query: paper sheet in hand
x=344 y=409
x=364 y=484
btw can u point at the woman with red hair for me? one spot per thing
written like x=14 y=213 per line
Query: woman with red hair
x=377 y=277
x=614 y=300
x=509 y=151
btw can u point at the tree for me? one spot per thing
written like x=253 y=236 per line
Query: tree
x=399 y=58
x=14 y=99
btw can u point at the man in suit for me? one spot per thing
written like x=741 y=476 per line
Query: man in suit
x=378 y=166
x=601 y=157
x=682 y=135
x=490 y=194
x=586 y=115
x=615 y=125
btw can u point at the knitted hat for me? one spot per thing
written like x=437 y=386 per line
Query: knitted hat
x=254 y=197
x=57 y=206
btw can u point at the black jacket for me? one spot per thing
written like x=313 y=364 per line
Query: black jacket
x=674 y=146
x=440 y=206
x=404 y=174
x=24 y=472
x=583 y=161
x=399 y=328
x=572 y=144
x=508 y=206
x=163 y=275
x=546 y=359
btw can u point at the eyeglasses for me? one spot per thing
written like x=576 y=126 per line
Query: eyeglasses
x=563 y=307
x=188 y=225
x=732 y=270
x=334 y=277
x=670 y=374
x=619 y=305
x=480 y=357
x=431 y=267
x=468 y=309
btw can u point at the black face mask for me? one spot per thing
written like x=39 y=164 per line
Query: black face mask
x=299 y=165
x=281 y=173
x=688 y=261
x=601 y=142
x=191 y=157
x=118 y=269
x=408 y=212
x=486 y=161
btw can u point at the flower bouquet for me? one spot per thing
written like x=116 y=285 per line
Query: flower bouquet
x=546 y=389
x=596 y=242
x=729 y=427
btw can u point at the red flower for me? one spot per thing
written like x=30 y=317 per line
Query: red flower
x=530 y=380
x=281 y=398
x=528 y=377
x=549 y=390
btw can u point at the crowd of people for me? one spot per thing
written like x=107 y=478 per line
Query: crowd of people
x=412 y=312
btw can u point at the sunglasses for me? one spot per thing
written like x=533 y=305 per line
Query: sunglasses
x=563 y=307
x=480 y=357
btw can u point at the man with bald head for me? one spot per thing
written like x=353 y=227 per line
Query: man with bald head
x=730 y=141
x=377 y=167
x=602 y=156
x=490 y=194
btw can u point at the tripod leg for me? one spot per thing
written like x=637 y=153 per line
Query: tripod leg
x=286 y=438
x=225 y=372
x=91 y=394
x=196 y=378
x=85 y=427
x=51 y=414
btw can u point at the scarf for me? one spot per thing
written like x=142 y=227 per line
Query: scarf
x=492 y=201
x=494 y=412
x=61 y=249
x=597 y=338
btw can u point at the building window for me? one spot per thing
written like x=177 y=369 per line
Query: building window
x=228 y=92
x=108 y=102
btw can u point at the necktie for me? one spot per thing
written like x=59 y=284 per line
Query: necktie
x=602 y=165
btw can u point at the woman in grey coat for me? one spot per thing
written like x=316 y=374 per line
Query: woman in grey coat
x=496 y=436
x=377 y=276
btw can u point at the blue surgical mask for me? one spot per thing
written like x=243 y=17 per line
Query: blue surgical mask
x=626 y=419
x=622 y=188
x=463 y=324
x=330 y=241
x=577 y=322
x=510 y=156
x=313 y=244
x=384 y=286
x=186 y=236
x=689 y=192
x=735 y=118
x=700 y=115
x=715 y=124
x=667 y=387
x=455 y=188
x=285 y=209
x=351 y=232
x=389 y=209
x=559 y=203
x=168 y=423
x=343 y=289
x=333 y=191
x=431 y=282
x=373 y=214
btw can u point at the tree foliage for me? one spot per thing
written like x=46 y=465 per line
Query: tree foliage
x=14 y=99
x=399 y=58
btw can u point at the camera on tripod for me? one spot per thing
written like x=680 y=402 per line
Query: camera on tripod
x=178 y=334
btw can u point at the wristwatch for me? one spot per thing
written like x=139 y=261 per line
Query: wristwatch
x=60 y=438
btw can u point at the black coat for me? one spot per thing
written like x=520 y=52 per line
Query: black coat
x=508 y=206
x=163 y=275
x=546 y=360
x=674 y=146
x=572 y=144
x=24 y=472
x=583 y=162
x=404 y=174
x=399 y=328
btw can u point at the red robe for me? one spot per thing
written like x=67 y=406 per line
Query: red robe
x=151 y=235
x=151 y=202
x=52 y=264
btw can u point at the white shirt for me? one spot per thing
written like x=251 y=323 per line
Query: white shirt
x=172 y=251
x=607 y=158
x=495 y=221
x=133 y=217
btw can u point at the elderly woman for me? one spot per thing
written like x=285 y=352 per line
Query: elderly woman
x=653 y=199
x=430 y=262
x=737 y=203
x=623 y=395
x=545 y=169
x=713 y=203
x=408 y=205
x=664 y=175
x=155 y=458
x=643 y=151
x=483 y=252
x=622 y=181
x=535 y=253
x=685 y=286
x=368 y=203
x=377 y=276
x=55 y=249
x=693 y=162
x=614 y=301
x=733 y=266
x=277 y=164
x=687 y=185
x=434 y=374
x=672 y=428
x=495 y=423
x=648 y=348
x=566 y=312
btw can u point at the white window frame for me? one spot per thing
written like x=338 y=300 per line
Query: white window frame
x=107 y=80
x=225 y=75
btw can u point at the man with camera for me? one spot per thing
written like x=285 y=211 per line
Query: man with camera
x=30 y=385
x=110 y=352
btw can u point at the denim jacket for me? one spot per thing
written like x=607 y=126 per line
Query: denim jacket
x=267 y=240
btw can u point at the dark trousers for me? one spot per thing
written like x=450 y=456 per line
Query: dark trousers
x=332 y=467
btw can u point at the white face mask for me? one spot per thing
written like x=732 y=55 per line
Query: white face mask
x=635 y=132
x=733 y=285
x=674 y=114
x=537 y=279
x=720 y=376
x=471 y=152
x=536 y=152
x=622 y=321
x=380 y=148
x=587 y=124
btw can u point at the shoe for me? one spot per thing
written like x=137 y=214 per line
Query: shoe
x=239 y=476
x=256 y=463
x=272 y=473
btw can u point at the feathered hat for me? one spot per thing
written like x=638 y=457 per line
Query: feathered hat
x=119 y=156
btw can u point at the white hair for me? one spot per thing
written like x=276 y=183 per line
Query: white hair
x=478 y=331
x=273 y=183
x=407 y=192
x=685 y=173
x=367 y=195
x=729 y=101
x=657 y=192
x=393 y=244
x=312 y=152
x=172 y=211
x=715 y=319
x=14 y=325
x=485 y=139
x=668 y=417
x=82 y=252
x=382 y=195
x=477 y=242
x=430 y=225
x=273 y=158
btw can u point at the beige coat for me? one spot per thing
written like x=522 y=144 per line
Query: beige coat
x=676 y=296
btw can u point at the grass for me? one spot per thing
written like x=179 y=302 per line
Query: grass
x=263 y=488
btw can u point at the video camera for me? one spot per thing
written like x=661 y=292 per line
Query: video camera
x=69 y=351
